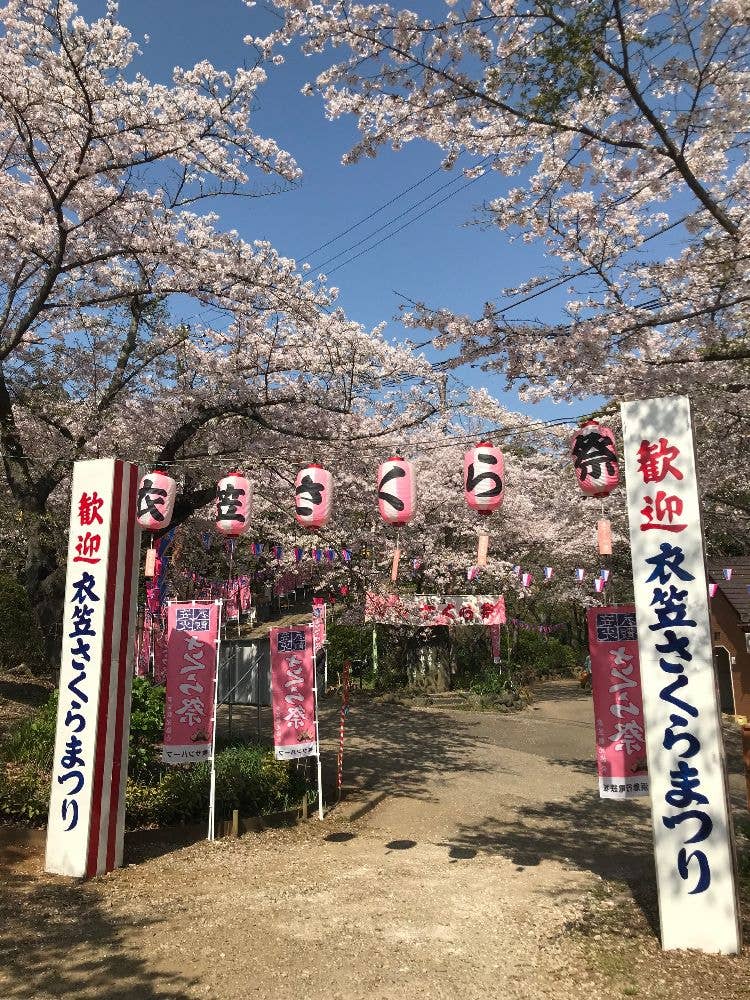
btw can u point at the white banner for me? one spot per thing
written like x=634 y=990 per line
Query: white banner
x=690 y=811
x=87 y=801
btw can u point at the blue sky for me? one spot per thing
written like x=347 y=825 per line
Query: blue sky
x=441 y=258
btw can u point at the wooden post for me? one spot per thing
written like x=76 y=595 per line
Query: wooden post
x=235 y=823
x=304 y=806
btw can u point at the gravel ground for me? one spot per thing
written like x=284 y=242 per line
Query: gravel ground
x=485 y=866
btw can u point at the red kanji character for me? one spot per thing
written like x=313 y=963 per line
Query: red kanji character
x=88 y=509
x=660 y=513
x=87 y=547
x=655 y=461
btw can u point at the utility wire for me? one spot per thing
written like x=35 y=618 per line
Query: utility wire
x=397 y=218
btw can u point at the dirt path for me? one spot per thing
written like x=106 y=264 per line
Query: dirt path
x=486 y=867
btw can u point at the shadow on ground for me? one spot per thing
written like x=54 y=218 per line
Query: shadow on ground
x=57 y=941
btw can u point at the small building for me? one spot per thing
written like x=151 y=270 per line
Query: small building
x=730 y=633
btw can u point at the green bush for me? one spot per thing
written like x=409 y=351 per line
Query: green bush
x=146 y=728
x=24 y=795
x=539 y=656
x=32 y=741
x=20 y=636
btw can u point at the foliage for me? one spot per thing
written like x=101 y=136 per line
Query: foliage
x=146 y=727
x=348 y=642
x=248 y=778
x=20 y=638
x=32 y=741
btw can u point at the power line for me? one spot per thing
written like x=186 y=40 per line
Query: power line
x=372 y=214
x=406 y=225
x=395 y=219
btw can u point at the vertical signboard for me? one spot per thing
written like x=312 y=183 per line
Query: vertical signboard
x=690 y=812
x=495 y=643
x=87 y=800
x=618 y=708
x=319 y=622
x=192 y=637
x=292 y=692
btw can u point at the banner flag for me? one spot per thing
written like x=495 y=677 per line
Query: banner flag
x=192 y=636
x=689 y=797
x=431 y=609
x=618 y=708
x=319 y=612
x=292 y=691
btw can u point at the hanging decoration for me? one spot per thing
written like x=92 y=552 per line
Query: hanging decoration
x=298 y=553
x=233 y=504
x=548 y=573
x=604 y=575
x=483 y=487
x=517 y=570
x=313 y=496
x=604 y=536
x=483 y=478
x=156 y=496
x=595 y=459
x=580 y=574
x=599 y=584
x=396 y=491
x=727 y=572
x=346 y=555
x=278 y=553
x=712 y=588
x=526 y=579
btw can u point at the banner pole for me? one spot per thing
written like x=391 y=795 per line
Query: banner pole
x=317 y=727
x=212 y=792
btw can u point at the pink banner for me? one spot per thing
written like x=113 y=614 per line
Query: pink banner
x=618 y=707
x=292 y=682
x=192 y=634
x=319 y=622
x=429 y=610
x=495 y=643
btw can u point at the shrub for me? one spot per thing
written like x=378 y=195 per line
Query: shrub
x=32 y=741
x=20 y=636
x=146 y=728
x=24 y=795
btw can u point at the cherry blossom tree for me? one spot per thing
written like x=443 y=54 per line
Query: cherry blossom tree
x=106 y=231
x=621 y=127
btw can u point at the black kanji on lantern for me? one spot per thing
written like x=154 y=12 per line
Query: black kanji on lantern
x=591 y=452
x=312 y=493
x=229 y=503
x=395 y=472
x=150 y=499
x=473 y=479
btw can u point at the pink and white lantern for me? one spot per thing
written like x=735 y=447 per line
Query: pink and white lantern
x=313 y=496
x=483 y=478
x=595 y=459
x=233 y=504
x=156 y=496
x=397 y=490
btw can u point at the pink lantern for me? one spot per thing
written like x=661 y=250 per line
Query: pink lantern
x=233 y=504
x=396 y=490
x=156 y=495
x=595 y=459
x=483 y=478
x=313 y=495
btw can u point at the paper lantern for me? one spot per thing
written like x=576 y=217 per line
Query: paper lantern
x=483 y=478
x=595 y=459
x=313 y=495
x=396 y=490
x=156 y=495
x=233 y=504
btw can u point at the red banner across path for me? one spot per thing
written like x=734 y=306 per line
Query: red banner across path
x=618 y=706
x=192 y=633
x=292 y=689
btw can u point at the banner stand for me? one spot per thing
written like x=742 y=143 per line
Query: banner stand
x=212 y=793
x=317 y=727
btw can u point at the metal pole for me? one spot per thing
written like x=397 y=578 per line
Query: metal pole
x=212 y=793
x=317 y=729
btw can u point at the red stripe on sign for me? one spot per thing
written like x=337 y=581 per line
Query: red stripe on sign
x=106 y=670
x=125 y=640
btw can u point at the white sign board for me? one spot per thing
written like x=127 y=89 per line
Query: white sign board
x=690 y=812
x=87 y=801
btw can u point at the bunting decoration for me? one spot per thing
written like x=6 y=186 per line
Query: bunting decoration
x=526 y=579
x=712 y=588
x=517 y=570
x=604 y=575
x=298 y=553
x=727 y=572
x=346 y=555
x=548 y=572
x=599 y=584
x=580 y=574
